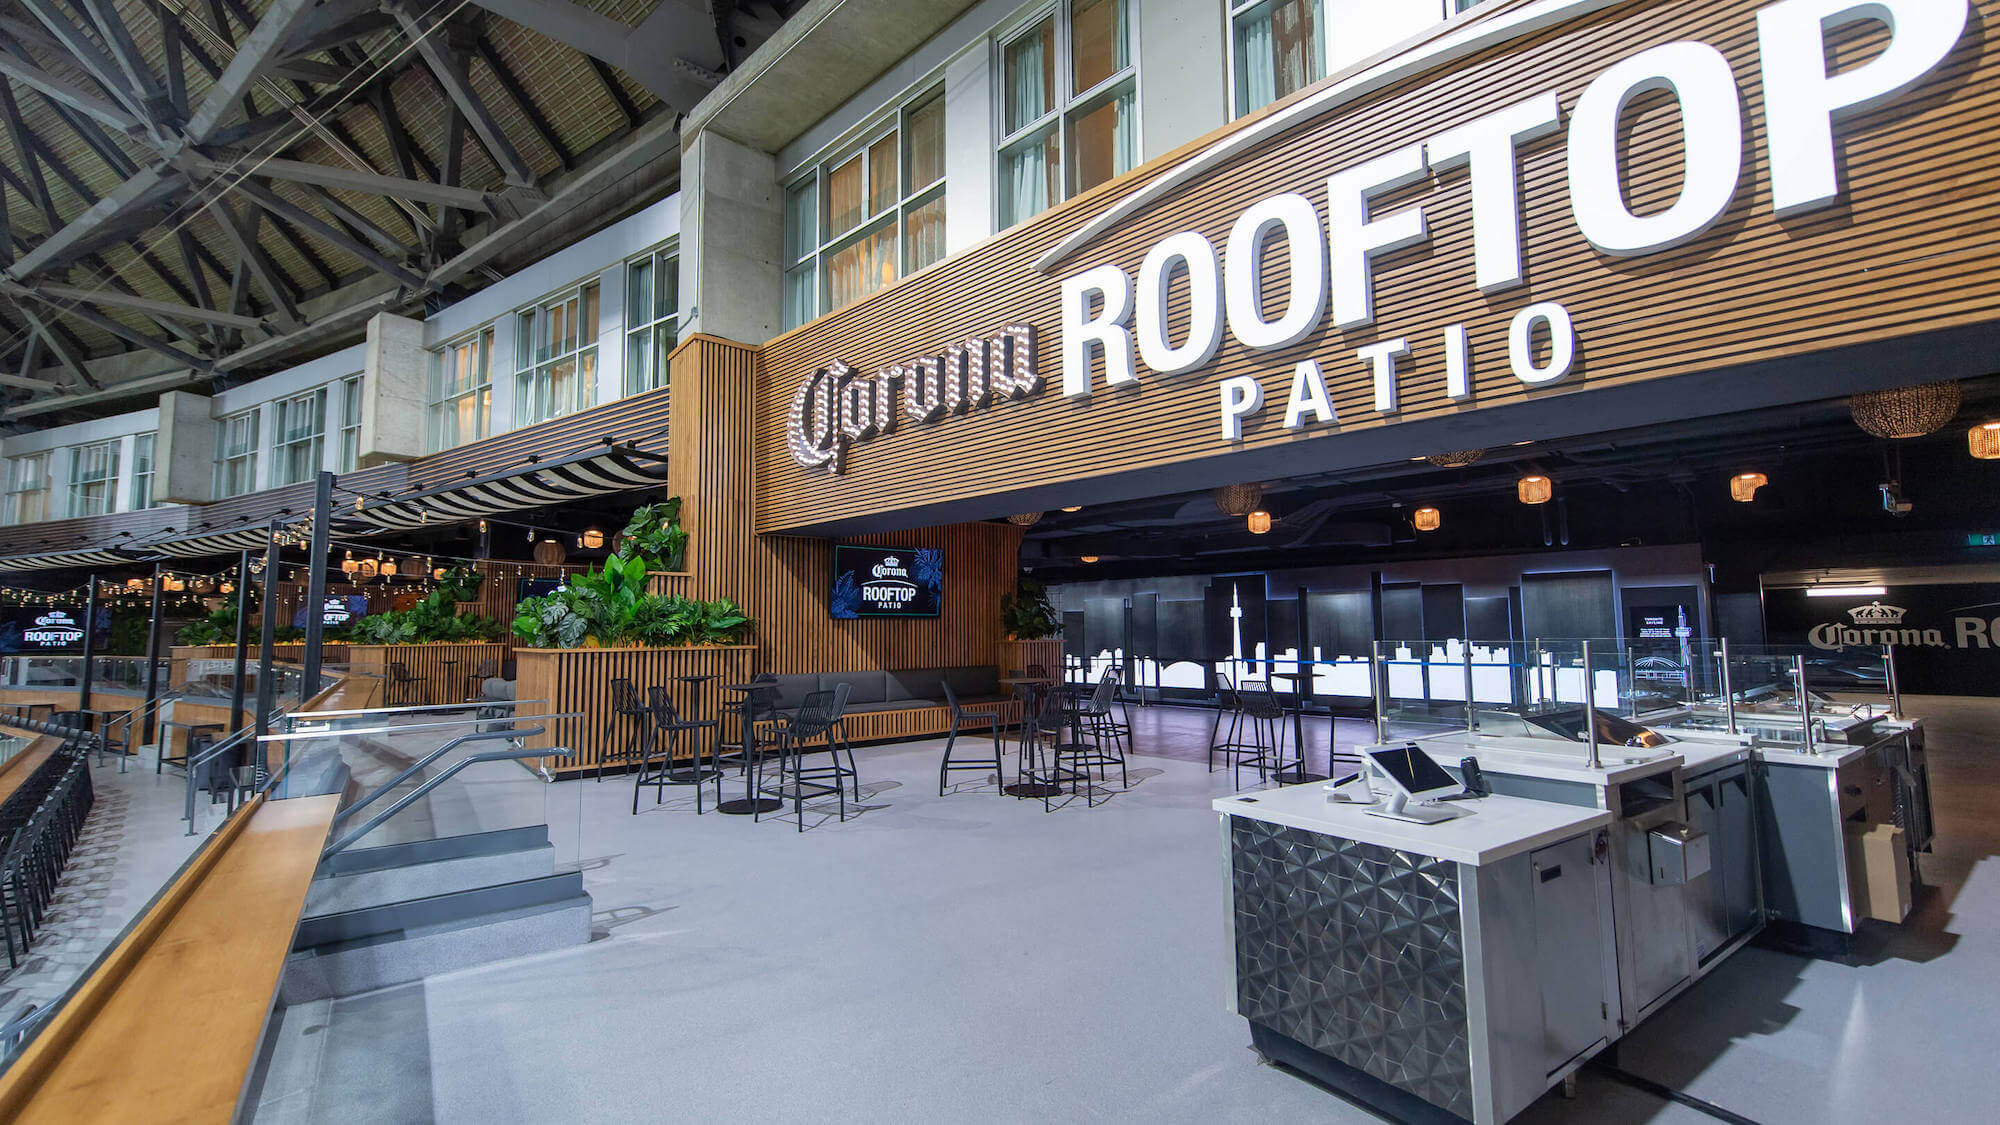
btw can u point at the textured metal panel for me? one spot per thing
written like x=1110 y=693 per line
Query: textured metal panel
x=1356 y=951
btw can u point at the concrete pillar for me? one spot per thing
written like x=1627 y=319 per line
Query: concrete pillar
x=611 y=320
x=1183 y=90
x=732 y=234
x=968 y=157
x=184 y=450
x=395 y=391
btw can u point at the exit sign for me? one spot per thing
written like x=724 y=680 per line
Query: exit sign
x=1982 y=538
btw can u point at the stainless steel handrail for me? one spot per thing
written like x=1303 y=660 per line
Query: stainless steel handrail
x=416 y=707
x=422 y=790
x=427 y=759
x=403 y=728
x=194 y=764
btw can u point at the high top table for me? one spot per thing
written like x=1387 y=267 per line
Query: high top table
x=749 y=803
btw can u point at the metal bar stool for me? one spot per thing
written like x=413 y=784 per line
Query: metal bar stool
x=816 y=718
x=666 y=721
x=1264 y=717
x=634 y=719
x=970 y=722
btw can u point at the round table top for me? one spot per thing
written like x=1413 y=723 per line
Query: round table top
x=750 y=687
x=698 y=679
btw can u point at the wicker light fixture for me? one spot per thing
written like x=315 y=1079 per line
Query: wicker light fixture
x=1534 y=489
x=1260 y=522
x=1238 y=499
x=438 y=574
x=1090 y=558
x=1905 y=412
x=1743 y=486
x=348 y=566
x=365 y=569
x=135 y=583
x=388 y=568
x=1078 y=508
x=593 y=539
x=1455 y=460
x=1426 y=519
x=1984 y=440
x=1025 y=519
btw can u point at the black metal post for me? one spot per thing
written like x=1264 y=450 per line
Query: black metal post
x=242 y=640
x=322 y=516
x=89 y=645
x=152 y=660
x=266 y=689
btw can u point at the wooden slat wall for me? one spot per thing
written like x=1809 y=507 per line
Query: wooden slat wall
x=1893 y=259
x=426 y=662
x=579 y=679
x=1020 y=655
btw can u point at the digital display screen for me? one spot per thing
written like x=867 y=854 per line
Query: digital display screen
x=887 y=582
x=526 y=588
x=29 y=630
x=1413 y=770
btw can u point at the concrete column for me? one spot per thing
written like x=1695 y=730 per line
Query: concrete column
x=500 y=373
x=184 y=450
x=732 y=234
x=1183 y=90
x=395 y=398
x=969 y=155
x=611 y=334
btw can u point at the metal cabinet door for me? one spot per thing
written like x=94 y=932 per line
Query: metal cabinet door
x=1568 y=949
x=1708 y=896
x=1736 y=855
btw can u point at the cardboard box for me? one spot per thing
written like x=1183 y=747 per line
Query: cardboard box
x=1878 y=872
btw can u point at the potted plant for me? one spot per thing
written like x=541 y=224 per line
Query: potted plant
x=655 y=533
x=1027 y=615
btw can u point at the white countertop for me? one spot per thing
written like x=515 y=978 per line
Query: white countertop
x=1835 y=755
x=1698 y=755
x=1496 y=828
x=1547 y=758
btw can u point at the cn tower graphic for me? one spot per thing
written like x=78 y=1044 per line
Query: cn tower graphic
x=1236 y=623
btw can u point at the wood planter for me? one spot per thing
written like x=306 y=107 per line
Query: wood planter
x=579 y=679
x=1018 y=655
x=445 y=682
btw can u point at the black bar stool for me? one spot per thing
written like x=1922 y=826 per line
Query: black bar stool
x=666 y=721
x=1264 y=718
x=970 y=722
x=634 y=720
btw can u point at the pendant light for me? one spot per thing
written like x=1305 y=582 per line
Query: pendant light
x=1984 y=440
x=388 y=568
x=1458 y=459
x=1260 y=522
x=348 y=566
x=1078 y=508
x=1743 y=486
x=1025 y=519
x=1090 y=558
x=1905 y=412
x=1426 y=519
x=593 y=539
x=1238 y=499
x=1534 y=489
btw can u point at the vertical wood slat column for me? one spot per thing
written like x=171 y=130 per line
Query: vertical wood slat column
x=446 y=683
x=579 y=679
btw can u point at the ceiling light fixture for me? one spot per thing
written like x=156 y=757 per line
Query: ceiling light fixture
x=1905 y=412
x=1090 y=558
x=1426 y=519
x=1743 y=486
x=1025 y=519
x=593 y=539
x=1535 y=489
x=1984 y=440
x=1078 y=508
x=1260 y=522
x=1238 y=499
x=1846 y=591
x=1458 y=459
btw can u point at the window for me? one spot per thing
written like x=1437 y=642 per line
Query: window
x=142 y=473
x=1068 y=106
x=297 y=452
x=555 y=357
x=1278 y=49
x=27 y=489
x=461 y=391
x=1453 y=7
x=236 y=455
x=866 y=218
x=93 y=479
x=350 y=425
x=652 y=318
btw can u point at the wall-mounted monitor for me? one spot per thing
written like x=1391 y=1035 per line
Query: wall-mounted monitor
x=887 y=582
x=28 y=630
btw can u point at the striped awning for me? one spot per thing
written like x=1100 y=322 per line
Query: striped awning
x=537 y=485
x=252 y=538
x=56 y=560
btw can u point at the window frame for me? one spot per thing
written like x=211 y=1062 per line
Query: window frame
x=1068 y=106
x=346 y=455
x=224 y=459
x=661 y=257
x=144 y=448
x=1234 y=11
x=12 y=513
x=815 y=262
x=534 y=373
x=440 y=397
x=311 y=404
x=78 y=503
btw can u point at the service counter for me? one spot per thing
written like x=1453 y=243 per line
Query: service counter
x=1455 y=970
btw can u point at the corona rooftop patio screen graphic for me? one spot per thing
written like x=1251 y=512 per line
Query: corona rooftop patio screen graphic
x=27 y=630
x=1946 y=637
x=887 y=582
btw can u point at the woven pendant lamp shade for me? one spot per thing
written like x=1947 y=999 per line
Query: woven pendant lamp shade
x=1238 y=499
x=1426 y=519
x=1905 y=412
x=1743 y=486
x=1457 y=460
x=1534 y=489
x=1025 y=519
x=1984 y=440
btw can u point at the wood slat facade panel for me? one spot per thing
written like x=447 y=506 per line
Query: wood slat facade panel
x=579 y=680
x=1902 y=252
x=445 y=682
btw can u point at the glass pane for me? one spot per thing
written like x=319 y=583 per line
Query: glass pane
x=638 y=291
x=882 y=181
x=638 y=361
x=669 y=287
x=1030 y=76
x=923 y=133
x=844 y=199
x=1277 y=52
x=1028 y=177
x=799 y=297
x=923 y=239
x=586 y=318
x=586 y=381
x=1099 y=47
x=862 y=268
x=665 y=335
x=801 y=231
x=1106 y=143
x=524 y=340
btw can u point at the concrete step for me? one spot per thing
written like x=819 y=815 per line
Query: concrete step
x=360 y=950
x=360 y=878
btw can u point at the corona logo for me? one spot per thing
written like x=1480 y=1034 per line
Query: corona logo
x=1875 y=613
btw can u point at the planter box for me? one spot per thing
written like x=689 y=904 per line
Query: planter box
x=1020 y=655
x=443 y=666
x=579 y=679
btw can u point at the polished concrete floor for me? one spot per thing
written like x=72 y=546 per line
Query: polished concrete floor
x=972 y=958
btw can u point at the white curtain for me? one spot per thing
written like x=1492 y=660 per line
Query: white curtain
x=1254 y=55
x=1025 y=172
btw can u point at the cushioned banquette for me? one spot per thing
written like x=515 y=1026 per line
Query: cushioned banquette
x=904 y=690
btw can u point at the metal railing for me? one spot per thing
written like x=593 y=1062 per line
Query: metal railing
x=427 y=759
x=425 y=789
x=194 y=765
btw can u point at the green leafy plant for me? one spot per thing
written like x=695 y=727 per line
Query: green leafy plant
x=435 y=618
x=1027 y=615
x=654 y=533
x=288 y=634
x=218 y=628
x=549 y=621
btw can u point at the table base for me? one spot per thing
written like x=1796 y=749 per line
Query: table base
x=1032 y=789
x=745 y=806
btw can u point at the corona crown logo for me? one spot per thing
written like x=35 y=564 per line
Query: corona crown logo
x=1875 y=613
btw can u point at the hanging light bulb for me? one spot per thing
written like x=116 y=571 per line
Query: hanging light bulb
x=348 y=566
x=1426 y=519
x=1984 y=440
x=1260 y=522
x=1743 y=486
x=1535 y=489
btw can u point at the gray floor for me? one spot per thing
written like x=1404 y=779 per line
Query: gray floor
x=972 y=958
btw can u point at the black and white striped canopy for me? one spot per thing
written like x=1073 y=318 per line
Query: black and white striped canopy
x=529 y=486
x=58 y=559
x=253 y=538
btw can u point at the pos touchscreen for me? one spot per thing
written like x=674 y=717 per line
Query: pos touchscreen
x=1413 y=771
